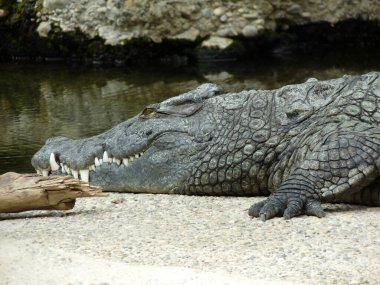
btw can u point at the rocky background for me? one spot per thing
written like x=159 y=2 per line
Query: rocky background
x=119 y=31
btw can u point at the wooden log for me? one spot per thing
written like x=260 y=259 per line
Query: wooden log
x=25 y=192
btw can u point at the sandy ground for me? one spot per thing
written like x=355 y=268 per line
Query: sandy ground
x=172 y=239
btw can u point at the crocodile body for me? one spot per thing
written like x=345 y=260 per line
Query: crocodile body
x=302 y=145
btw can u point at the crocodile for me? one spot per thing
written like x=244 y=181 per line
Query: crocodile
x=302 y=145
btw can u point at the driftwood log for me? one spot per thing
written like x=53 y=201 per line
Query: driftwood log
x=24 y=192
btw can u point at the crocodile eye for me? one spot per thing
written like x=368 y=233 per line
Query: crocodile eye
x=148 y=112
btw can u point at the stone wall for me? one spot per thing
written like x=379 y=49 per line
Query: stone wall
x=118 y=30
x=214 y=22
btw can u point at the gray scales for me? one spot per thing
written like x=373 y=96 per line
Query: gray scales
x=302 y=145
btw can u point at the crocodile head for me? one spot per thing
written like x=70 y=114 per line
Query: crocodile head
x=152 y=152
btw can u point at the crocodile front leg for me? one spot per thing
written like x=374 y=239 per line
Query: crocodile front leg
x=343 y=163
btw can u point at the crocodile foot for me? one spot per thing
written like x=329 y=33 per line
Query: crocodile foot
x=287 y=205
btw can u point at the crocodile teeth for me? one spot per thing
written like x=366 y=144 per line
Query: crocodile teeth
x=53 y=164
x=84 y=175
x=137 y=155
x=101 y=161
x=45 y=172
x=105 y=156
x=97 y=162
x=92 y=167
x=131 y=158
x=39 y=171
x=67 y=169
x=117 y=161
x=63 y=169
x=125 y=161
x=75 y=173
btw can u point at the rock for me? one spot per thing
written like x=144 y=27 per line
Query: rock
x=227 y=32
x=250 y=31
x=259 y=22
x=206 y=13
x=217 y=42
x=294 y=9
x=55 y=4
x=156 y=39
x=218 y=11
x=43 y=29
x=114 y=37
x=223 y=18
x=219 y=17
x=190 y=35
x=251 y=16
x=129 y=3
x=117 y=22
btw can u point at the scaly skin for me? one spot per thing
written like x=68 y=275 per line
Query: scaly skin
x=303 y=144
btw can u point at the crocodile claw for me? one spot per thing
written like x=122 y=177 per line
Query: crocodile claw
x=287 y=206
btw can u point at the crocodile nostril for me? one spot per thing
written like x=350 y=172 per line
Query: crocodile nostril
x=148 y=133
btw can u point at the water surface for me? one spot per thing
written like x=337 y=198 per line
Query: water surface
x=38 y=101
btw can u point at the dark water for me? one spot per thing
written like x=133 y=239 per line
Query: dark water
x=39 y=101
